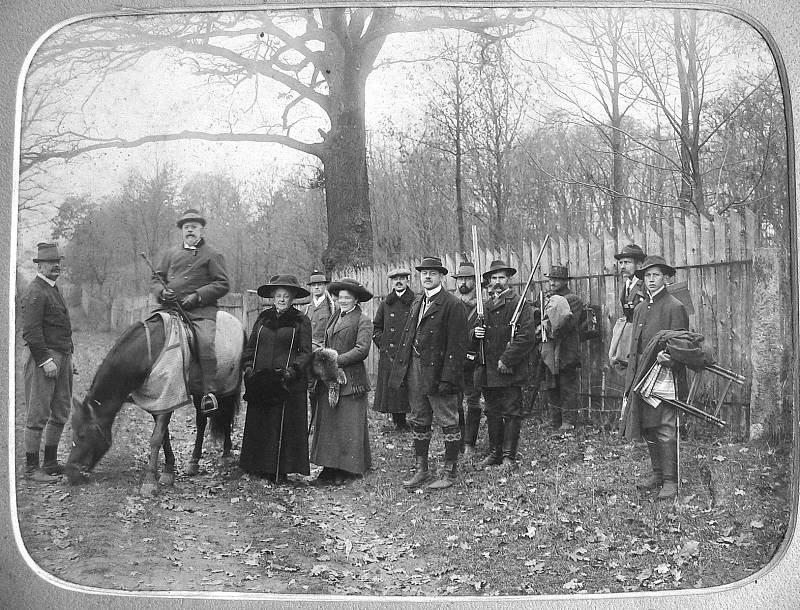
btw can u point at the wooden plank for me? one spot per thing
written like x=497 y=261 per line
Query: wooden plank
x=692 y=240
x=667 y=237
x=679 y=237
x=722 y=248
x=706 y=245
x=749 y=238
x=654 y=241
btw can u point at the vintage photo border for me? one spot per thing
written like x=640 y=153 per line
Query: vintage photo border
x=24 y=585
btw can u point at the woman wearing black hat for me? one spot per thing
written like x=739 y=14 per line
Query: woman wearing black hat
x=341 y=439
x=276 y=429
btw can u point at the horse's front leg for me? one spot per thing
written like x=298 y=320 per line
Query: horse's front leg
x=149 y=482
x=168 y=475
x=200 y=427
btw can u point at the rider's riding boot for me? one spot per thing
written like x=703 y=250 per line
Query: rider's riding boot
x=208 y=367
x=209 y=404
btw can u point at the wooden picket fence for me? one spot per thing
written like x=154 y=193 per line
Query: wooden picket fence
x=713 y=259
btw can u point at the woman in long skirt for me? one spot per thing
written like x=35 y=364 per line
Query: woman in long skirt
x=341 y=437
x=275 y=438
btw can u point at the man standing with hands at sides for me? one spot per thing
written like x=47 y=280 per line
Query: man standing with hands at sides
x=430 y=361
x=320 y=309
x=468 y=295
x=47 y=331
x=387 y=326
x=506 y=368
x=195 y=276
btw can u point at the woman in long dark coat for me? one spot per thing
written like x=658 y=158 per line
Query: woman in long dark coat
x=341 y=439
x=274 y=364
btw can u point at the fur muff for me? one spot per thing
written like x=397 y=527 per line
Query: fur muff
x=323 y=368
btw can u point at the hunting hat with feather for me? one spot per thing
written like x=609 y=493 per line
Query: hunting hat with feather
x=354 y=287
x=283 y=280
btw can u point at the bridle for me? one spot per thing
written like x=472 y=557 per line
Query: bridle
x=91 y=405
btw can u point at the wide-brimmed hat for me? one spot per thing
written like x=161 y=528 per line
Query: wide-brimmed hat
x=46 y=252
x=559 y=272
x=282 y=280
x=631 y=251
x=498 y=266
x=356 y=288
x=654 y=261
x=317 y=277
x=191 y=214
x=465 y=269
x=432 y=262
x=398 y=271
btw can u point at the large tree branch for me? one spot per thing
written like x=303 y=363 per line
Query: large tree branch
x=31 y=159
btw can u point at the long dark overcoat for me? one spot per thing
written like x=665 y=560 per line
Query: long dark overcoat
x=665 y=312
x=388 y=324
x=498 y=344
x=268 y=400
x=440 y=339
x=201 y=270
x=567 y=336
x=341 y=436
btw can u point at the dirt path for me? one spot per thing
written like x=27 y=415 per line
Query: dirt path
x=569 y=520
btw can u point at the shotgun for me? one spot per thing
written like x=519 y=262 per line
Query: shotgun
x=479 y=296
x=521 y=302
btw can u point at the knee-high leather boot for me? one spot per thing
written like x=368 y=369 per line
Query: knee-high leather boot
x=511 y=428
x=495 y=426
x=422 y=443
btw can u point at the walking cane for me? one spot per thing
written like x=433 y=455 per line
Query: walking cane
x=283 y=412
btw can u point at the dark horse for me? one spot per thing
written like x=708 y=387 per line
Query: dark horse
x=123 y=371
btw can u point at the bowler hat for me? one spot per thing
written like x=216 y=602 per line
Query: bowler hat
x=559 y=272
x=282 y=280
x=498 y=266
x=465 y=269
x=432 y=262
x=352 y=286
x=398 y=271
x=654 y=261
x=631 y=251
x=191 y=214
x=317 y=277
x=47 y=253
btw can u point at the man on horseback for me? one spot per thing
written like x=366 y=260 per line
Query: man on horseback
x=194 y=276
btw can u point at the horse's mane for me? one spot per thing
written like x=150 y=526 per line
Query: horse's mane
x=112 y=359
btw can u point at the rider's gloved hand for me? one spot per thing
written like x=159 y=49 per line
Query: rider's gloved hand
x=168 y=296
x=248 y=372
x=190 y=301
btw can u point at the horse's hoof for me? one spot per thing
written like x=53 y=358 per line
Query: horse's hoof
x=167 y=479
x=193 y=469
x=149 y=489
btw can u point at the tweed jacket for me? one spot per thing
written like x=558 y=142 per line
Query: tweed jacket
x=440 y=339
x=498 y=344
x=350 y=336
x=186 y=271
x=319 y=316
x=45 y=321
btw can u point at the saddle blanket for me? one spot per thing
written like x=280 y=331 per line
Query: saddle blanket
x=166 y=387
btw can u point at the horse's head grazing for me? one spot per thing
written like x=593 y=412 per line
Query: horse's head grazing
x=91 y=438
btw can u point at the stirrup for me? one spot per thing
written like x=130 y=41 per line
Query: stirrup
x=208 y=404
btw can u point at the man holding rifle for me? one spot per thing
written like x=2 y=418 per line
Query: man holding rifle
x=193 y=276
x=508 y=337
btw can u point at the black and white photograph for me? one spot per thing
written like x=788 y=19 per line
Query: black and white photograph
x=395 y=303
